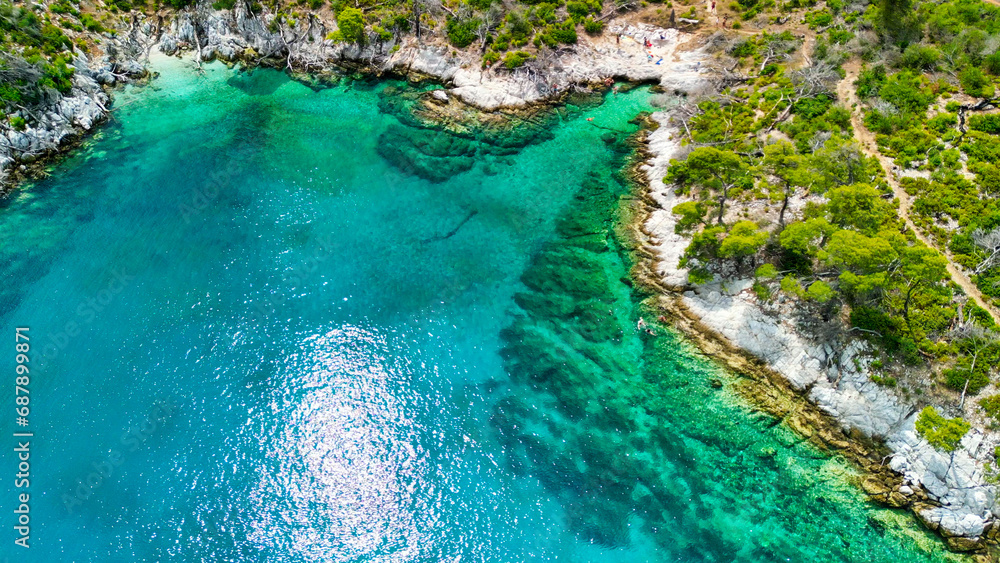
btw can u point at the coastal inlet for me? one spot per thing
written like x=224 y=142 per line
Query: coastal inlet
x=387 y=338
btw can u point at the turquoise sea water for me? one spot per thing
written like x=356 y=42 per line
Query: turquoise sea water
x=258 y=335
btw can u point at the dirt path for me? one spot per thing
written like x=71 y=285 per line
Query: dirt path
x=848 y=95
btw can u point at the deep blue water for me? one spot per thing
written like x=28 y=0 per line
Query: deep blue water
x=254 y=338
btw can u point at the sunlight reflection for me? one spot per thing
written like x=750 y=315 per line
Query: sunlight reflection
x=348 y=474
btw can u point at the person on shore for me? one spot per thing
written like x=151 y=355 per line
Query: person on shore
x=618 y=39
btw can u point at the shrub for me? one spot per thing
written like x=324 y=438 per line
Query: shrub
x=382 y=33
x=791 y=285
x=223 y=4
x=989 y=123
x=18 y=123
x=766 y=272
x=941 y=123
x=920 y=57
x=770 y=70
x=762 y=292
x=63 y=7
x=885 y=380
x=819 y=19
x=811 y=108
x=58 y=75
x=958 y=378
x=743 y=49
x=351 y=23
x=870 y=82
x=516 y=59
x=942 y=433
x=820 y=291
x=992 y=64
x=700 y=276
x=91 y=24
x=704 y=246
x=564 y=33
x=692 y=214
x=461 y=33
x=544 y=13
x=991 y=406
x=489 y=58
x=578 y=9
x=518 y=27
x=908 y=351
x=975 y=83
x=905 y=91
x=744 y=239
x=592 y=26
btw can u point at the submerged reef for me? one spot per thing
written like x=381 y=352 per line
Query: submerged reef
x=439 y=136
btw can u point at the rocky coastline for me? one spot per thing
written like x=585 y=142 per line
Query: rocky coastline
x=241 y=37
x=60 y=124
x=822 y=390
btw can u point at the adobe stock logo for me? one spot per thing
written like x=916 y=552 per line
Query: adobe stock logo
x=105 y=468
x=86 y=311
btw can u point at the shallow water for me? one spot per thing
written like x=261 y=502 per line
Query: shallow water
x=255 y=339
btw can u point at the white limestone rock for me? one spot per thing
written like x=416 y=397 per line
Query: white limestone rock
x=837 y=380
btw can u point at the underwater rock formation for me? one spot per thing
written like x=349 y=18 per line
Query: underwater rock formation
x=436 y=141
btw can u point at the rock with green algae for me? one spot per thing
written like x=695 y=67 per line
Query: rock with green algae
x=425 y=153
x=595 y=322
x=568 y=271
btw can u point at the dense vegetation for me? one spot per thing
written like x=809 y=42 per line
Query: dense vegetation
x=35 y=56
x=778 y=187
x=942 y=433
x=499 y=30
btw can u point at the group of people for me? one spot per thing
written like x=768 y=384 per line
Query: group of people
x=609 y=82
x=647 y=45
x=722 y=22
x=642 y=326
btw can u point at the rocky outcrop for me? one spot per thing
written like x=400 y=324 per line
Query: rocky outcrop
x=64 y=118
x=949 y=492
x=239 y=35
